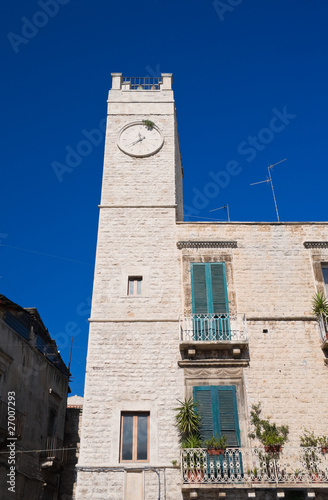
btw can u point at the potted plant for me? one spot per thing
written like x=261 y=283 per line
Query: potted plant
x=188 y=423
x=323 y=442
x=272 y=436
x=216 y=445
x=187 y=418
x=193 y=459
x=192 y=441
x=310 y=456
x=298 y=475
x=253 y=475
x=320 y=308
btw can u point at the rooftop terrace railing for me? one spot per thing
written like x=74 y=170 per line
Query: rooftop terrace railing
x=141 y=83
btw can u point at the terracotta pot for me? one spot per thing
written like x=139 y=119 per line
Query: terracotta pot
x=212 y=451
x=196 y=476
x=275 y=448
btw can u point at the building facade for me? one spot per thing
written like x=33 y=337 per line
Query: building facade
x=217 y=312
x=72 y=446
x=33 y=391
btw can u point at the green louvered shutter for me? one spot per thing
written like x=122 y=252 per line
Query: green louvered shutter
x=228 y=415
x=199 y=289
x=219 y=289
x=209 y=288
x=217 y=406
x=203 y=395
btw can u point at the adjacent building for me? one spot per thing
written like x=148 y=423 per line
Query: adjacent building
x=220 y=312
x=33 y=391
x=72 y=446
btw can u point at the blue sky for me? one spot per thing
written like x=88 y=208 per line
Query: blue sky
x=250 y=84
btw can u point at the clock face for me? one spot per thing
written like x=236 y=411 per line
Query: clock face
x=138 y=139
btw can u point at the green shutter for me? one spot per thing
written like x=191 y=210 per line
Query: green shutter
x=228 y=414
x=217 y=406
x=203 y=395
x=209 y=288
x=219 y=289
x=198 y=289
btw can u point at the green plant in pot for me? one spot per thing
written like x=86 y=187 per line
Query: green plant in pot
x=319 y=304
x=216 y=445
x=272 y=436
x=253 y=474
x=310 y=456
x=187 y=418
x=188 y=423
x=192 y=441
x=323 y=442
x=320 y=308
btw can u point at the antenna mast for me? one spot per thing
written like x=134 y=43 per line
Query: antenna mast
x=225 y=206
x=270 y=181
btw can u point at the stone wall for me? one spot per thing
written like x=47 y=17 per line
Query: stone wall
x=134 y=360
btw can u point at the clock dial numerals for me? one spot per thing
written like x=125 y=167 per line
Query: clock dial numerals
x=136 y=139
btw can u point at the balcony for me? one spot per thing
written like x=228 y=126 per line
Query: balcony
x=54 y=455
x=323 y=326
x=254 y=468
x=214 y=332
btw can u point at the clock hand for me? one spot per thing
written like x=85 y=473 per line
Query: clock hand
x=133 y=143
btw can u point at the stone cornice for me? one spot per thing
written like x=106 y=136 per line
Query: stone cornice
x=217 y=363
x=137 y=206
x=315 y=244
x=134 y=320
x=206 y=244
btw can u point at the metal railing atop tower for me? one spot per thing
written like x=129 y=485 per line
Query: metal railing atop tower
x=142 y=82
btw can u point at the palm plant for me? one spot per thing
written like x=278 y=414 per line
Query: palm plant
x=319 y=304
x=187 y=418
x=192 y=441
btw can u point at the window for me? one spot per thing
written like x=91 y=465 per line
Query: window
x=325 y=277
x=217 y=406
x=134 y=437
x=134 y=285
x=210 y=301
x=52 y=422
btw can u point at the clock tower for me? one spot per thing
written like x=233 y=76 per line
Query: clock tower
x=133 y=381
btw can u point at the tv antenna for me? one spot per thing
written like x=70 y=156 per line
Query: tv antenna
x=270 y=181
x=220 y=208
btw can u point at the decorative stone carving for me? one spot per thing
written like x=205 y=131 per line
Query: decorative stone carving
x=206 y=244
x=316 y=244
x=213 y=372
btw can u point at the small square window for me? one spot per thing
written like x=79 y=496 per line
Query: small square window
x=134 y=285
x=134 y=445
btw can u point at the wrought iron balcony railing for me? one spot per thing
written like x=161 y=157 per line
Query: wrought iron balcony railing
x=253 y=465
x=213 y=328
x=323 y=325
x=54 y=450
